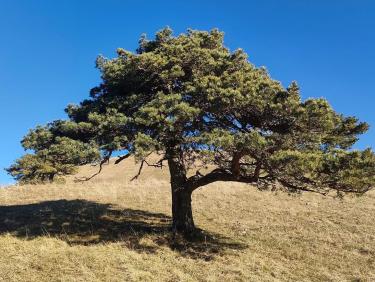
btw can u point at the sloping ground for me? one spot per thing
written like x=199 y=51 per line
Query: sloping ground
x=111 y=229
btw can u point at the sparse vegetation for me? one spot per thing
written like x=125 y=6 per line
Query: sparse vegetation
x=111 y=229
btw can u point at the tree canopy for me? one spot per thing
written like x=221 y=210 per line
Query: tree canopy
x=199 y=105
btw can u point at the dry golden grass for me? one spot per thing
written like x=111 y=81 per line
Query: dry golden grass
x=111 y=229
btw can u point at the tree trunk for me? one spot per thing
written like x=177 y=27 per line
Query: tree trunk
x=51 y=177
x=181 y=212
x=181 y=197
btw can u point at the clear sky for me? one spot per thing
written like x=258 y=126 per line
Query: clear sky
x=48 y=50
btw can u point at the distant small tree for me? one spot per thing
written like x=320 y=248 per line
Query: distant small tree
x=199 y=105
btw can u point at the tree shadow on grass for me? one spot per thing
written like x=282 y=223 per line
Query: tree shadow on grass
x=85 y=223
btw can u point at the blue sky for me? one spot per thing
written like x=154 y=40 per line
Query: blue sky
x=48 y=49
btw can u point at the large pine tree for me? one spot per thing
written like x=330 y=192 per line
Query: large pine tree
x=197 y=104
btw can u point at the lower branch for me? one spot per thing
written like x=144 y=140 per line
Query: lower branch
x=120 y=159
x=105 y=160
x=299 y=188
x=157 y=164
x=198 y=180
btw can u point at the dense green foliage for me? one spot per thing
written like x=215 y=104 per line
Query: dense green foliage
x=196 y=103
x=53 y=156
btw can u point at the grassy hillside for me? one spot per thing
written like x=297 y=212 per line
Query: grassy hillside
x=111 y=229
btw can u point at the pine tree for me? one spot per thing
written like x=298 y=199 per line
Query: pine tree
x=199 y=105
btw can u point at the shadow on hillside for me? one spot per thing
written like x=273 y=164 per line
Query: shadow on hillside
x=85 y=223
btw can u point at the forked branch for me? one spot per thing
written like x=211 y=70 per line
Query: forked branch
x=158 y=164
x=102 y=162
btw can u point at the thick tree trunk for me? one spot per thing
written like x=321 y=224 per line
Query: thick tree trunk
x=181 y=212
x=181 y=196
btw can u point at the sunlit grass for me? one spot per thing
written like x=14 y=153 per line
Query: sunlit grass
x=111 y=229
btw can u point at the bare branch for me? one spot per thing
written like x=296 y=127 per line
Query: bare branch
x=144 y=161
x=159 y=163
x=121 y=158
x=198 y=180
x=299 y=188
x=139 y=171
x=104 y=161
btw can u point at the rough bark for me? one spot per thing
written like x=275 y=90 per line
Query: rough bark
x=181 y=196
x=182 y=212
